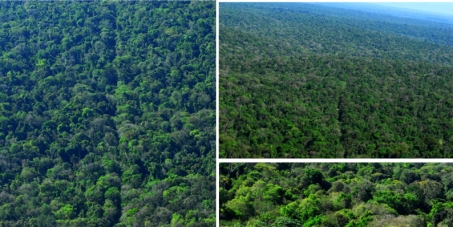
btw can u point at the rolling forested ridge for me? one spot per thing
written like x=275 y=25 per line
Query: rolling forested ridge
x=336 y=194
x=310 y=81
x=107 y=113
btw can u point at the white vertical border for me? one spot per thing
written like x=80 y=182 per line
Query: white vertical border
x=217 y=104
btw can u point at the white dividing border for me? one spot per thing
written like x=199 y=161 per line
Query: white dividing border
x=343 y=160
x=217 y=103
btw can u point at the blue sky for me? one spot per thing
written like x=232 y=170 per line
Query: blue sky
x=433 y=7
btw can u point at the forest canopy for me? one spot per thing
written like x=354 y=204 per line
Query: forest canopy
x=303 y=80
x=107 y=113
x=336 y=194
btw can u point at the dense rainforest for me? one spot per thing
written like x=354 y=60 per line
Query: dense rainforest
x=336 y=194
x=107 y=113
x=309 y=81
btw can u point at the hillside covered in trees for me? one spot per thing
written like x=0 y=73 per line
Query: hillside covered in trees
x=336 y=195
x=304 y=80
x=107 y=113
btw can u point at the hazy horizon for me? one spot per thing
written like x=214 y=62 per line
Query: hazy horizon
x=445 y=8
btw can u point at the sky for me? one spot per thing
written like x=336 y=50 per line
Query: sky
x=433 y=7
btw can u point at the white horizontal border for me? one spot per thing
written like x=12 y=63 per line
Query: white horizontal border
x=348 y=160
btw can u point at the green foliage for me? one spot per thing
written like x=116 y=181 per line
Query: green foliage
x=247 y=199
x=107 y=113
x=305 y=80
x=241 y=209
x=66 y=212
x=274 y=193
